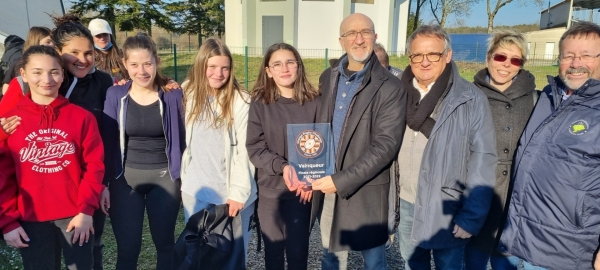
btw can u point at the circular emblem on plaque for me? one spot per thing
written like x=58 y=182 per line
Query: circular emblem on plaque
x=309 y=143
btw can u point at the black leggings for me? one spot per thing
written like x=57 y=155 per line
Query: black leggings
x=285 y=228
x=47 y=240
x=99 y=220
x=160 y=196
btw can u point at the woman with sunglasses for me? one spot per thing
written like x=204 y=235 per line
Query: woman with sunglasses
x=511 y=92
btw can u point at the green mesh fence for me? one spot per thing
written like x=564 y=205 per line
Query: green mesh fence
x=247 y=61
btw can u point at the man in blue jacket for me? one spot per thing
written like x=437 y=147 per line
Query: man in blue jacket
x=554 y=213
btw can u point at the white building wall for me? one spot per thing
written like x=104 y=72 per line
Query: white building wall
x=557 y=17
x=379 y=13
x=234 y=23
x=319 y=24
x=400 y=26
x=275 y=8
x=314 y=24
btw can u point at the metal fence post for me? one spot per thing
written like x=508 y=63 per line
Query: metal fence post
x=326 y=62
x=246 y=67
x=175 y=60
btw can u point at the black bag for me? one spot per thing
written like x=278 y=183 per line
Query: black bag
x=207 y=241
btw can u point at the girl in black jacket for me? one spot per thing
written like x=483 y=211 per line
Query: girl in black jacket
x=282 y=95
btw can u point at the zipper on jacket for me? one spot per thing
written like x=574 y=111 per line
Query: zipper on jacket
x=122 y=134
x=162 y=122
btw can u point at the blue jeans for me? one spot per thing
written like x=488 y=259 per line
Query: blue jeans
x=476 y=259
x=528 y=266
x=404 y=229
x=446 y=258
x=374 y=259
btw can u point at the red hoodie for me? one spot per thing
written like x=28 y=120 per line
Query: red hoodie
x=52 y=166
x=13 y=94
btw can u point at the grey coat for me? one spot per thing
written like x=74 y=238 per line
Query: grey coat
x=369 y=142
x=458 y=169
x=511 y=109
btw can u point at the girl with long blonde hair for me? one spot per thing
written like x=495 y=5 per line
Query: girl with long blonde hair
x=215 y=165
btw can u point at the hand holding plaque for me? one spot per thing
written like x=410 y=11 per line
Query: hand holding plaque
x=309 y=152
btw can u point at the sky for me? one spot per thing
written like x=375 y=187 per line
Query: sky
x=511 y=14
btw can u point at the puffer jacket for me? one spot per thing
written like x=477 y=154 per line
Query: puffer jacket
x=458 y=168
x=554 y=213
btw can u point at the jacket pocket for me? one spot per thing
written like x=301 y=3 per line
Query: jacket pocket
x=590 y=214
x=451 y=200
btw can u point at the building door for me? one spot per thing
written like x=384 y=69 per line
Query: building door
x=549 y=52
x=272 y=31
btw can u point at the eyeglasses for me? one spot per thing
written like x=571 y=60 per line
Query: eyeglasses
x=583 y=58
x=514 y=61
x=365 y=33
x=290 y=64
x=431 y=57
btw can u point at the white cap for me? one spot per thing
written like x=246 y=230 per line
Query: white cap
x=99 y=26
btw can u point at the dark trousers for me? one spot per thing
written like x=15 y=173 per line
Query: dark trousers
x=154 y=191
x=47 y=240
x=285 y=228
x=99 y=220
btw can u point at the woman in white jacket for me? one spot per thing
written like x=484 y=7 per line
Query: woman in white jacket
x=215 y=166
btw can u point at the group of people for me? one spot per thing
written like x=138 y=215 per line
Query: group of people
x=466 y=173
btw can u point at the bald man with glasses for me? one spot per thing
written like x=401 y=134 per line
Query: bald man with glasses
x=365 y=105
x=448 y=156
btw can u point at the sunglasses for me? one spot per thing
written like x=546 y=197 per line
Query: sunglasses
x=514 y=61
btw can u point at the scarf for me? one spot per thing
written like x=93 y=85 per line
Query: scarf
x=418 y=112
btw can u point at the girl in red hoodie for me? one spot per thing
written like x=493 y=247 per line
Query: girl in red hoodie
x=51 y=171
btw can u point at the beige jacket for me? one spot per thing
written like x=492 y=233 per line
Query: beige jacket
x=240 y=172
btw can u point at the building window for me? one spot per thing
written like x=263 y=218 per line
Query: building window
x=364 y=1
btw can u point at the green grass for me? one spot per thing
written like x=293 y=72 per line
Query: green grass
x=315 y=66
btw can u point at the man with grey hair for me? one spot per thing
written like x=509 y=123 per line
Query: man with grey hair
x=448 y=156
x=366 y=108
x=384 y=59
x=554 y=212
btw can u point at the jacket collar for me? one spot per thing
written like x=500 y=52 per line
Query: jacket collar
x=459 y=93
x=590 y=88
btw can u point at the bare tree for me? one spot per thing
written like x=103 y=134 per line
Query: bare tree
x=502 y=3
x=417 y=18
x=442 y=8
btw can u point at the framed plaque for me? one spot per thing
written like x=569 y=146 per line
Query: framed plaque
x=309 y=150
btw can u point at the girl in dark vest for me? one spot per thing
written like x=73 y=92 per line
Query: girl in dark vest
x=282 y=95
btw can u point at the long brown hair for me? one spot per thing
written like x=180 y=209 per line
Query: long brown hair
x=265 y=87
x=197 y=89
x=111 y=61
x=35 y=35
x=142 y=41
